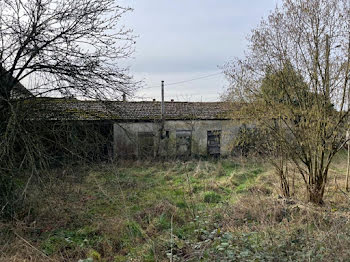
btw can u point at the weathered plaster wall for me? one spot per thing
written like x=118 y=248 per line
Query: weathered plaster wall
x=126 y=136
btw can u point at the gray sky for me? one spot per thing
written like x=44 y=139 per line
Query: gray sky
x=186 y=39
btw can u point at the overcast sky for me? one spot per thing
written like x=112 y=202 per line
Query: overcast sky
x=186 y=39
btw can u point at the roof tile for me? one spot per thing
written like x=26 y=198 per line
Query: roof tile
x=72 y=109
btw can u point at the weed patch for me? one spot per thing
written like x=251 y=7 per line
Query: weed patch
x=222 y=210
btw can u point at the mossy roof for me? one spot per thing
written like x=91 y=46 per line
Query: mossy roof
x=73 y=109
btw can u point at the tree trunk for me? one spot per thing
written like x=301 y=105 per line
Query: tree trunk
x=348 y=163
x=284 y=183
x=316 y=192
x=316 y=197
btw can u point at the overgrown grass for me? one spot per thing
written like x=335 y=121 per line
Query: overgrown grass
x=226 y=210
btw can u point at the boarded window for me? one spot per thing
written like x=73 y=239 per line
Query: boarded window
x=146 y=144
x=183 y=143
x=214 y=143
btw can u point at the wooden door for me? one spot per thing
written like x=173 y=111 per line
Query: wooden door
x=213 y=142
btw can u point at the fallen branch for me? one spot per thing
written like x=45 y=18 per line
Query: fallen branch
x=33 y=247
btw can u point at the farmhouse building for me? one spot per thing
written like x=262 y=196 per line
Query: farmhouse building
x=186 y=129
x=141 y=130
x=144 y=128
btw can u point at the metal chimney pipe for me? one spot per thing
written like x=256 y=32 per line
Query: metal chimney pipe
x=162 y=104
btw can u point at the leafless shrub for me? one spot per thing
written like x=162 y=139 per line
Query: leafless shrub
x=295 y=83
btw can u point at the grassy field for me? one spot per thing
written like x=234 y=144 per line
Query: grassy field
x=226 y=210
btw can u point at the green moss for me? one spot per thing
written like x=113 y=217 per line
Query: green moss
x=94 y=255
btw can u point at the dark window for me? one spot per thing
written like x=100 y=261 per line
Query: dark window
x=213 y=143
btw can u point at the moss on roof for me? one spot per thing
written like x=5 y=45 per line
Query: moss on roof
x=73 y=109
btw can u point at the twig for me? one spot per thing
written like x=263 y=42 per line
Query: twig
x=24 y=193
x=171 y=238
x=33 y=247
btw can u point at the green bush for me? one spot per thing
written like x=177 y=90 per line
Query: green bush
x=250 y=141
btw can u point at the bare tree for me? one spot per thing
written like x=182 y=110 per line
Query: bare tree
x=59 y=48
x=301 y=52
x=70 y=47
